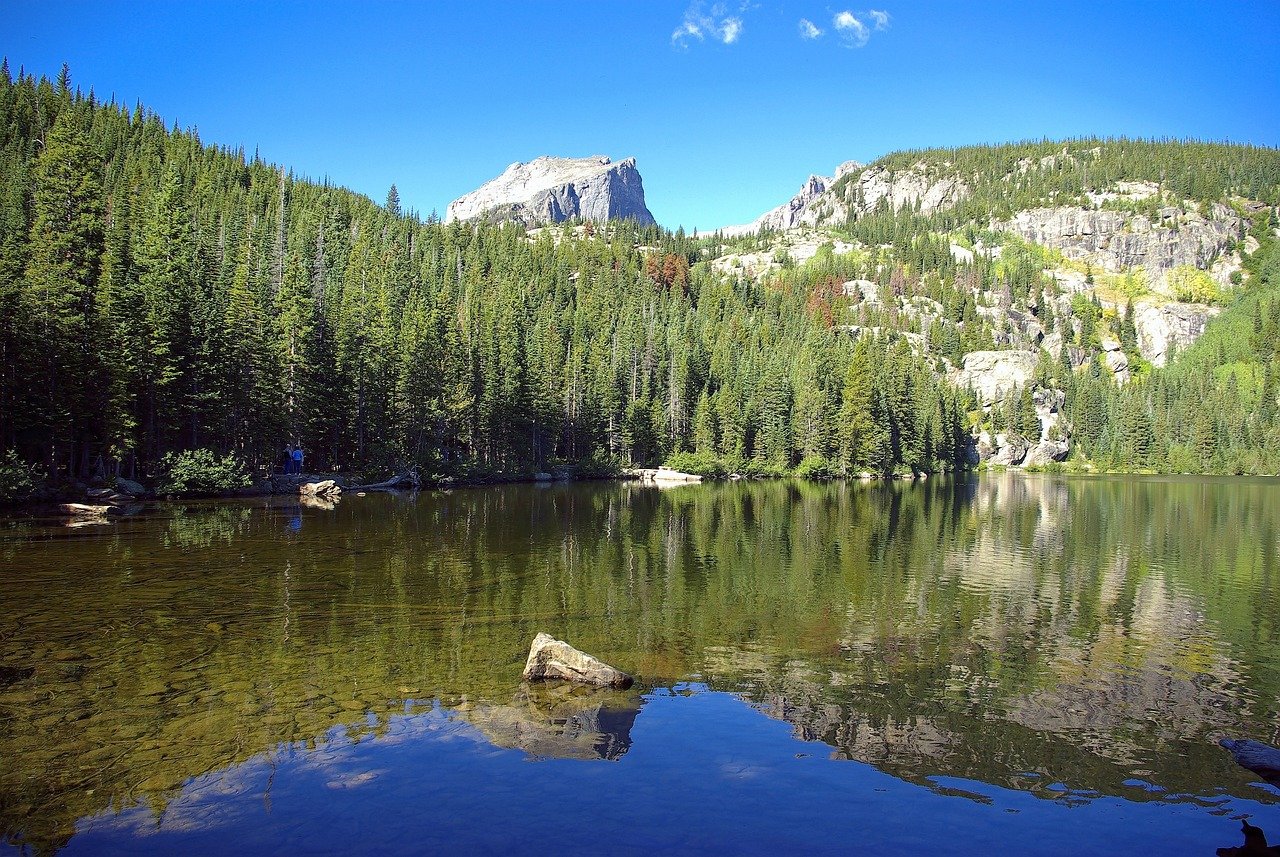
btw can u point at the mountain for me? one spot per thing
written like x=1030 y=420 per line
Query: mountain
x=551 y=190
x=797 y=211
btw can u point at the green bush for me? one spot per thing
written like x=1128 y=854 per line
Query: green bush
x=699 y=463
x=818 y=468
x=200 y=471
x=757 y=469
x=595 y=468
x=17 y=478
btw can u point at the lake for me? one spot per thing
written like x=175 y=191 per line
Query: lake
x=1035 y=664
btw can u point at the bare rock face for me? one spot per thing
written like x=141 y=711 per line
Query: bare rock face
x=550 y=190
x=1117 y=241
x=826 y=200
x=903 y=189
x=994 y=374
x=1116 y=360
x=1164 y=328
x=550 y=658
x=797 y=211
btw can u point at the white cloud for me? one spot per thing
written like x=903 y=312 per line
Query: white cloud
x=880 y=17
x=852 y=32
x=809 y=30
x=698 y=24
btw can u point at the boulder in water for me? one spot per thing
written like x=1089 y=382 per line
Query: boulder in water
x=324 y=488
x=550 y=658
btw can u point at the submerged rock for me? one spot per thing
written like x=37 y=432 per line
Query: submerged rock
x=550 y=658
x=87 y=510
x=1260 y=758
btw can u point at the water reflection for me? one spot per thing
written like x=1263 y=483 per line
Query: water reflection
x=555 y=720
x=1062 y=638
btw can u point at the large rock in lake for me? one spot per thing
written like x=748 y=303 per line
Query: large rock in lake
x=550 y=658
x=550 y=190
x=323 y=488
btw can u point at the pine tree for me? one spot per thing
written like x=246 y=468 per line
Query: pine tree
x=58 y=310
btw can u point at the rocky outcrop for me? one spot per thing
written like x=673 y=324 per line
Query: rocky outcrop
x=995 y=374
x=1045 y=452
x=797 y=211
x=904 y=189
x=824 y=201
x=1116 y=241
x=550 y=658
x=550 y=190
x=1012 y=450
x=129 y=487
x=1164 y=328
x=324 y=488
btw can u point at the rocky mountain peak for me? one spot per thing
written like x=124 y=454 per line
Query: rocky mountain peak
x=796 y=211
x=550 y=190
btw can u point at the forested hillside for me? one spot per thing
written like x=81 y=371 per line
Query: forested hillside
x=1117 y=374
x=159 y=294
x=1213 y=409
x=162 y=294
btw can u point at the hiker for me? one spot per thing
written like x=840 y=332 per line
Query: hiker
x=288 y=459
x=297 y=459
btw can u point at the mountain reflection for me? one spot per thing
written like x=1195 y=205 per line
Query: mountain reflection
x=1032 y=633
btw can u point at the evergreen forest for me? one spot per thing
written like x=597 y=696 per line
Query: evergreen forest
x=159 y=294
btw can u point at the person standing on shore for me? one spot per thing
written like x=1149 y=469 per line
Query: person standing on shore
x=297 y=459
x=288 y=459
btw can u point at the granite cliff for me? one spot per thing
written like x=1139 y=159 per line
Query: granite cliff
x=551 y=190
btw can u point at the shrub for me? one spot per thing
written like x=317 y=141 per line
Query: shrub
x=818 y=468
x=17 y=478
x=200 y=471
x=700 y=463
x=757 y=469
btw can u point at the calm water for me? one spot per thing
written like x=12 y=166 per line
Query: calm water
x=1034 y=665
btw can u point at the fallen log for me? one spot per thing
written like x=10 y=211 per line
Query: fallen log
x=399 y=482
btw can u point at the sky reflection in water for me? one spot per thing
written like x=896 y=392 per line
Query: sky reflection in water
x=706 y=773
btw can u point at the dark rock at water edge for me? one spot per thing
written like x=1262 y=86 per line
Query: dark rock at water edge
x=1260 y=758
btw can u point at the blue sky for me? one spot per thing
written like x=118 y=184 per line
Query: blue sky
x=727 y=107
